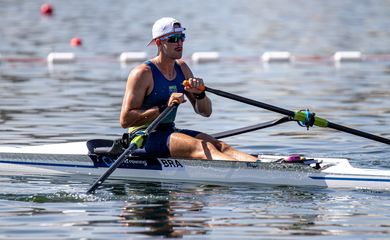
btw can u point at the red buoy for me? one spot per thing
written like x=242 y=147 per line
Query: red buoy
x=47 y=9
x=75 y=42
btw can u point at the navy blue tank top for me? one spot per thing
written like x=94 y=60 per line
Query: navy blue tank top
x=163 y=88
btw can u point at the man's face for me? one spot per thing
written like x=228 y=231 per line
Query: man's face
x=172 y=44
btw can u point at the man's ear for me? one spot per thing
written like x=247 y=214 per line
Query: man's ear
x=158 y=42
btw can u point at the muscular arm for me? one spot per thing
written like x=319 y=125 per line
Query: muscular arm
x=201 y=106
x=139 y=84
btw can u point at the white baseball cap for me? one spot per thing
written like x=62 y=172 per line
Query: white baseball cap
x=164 y=26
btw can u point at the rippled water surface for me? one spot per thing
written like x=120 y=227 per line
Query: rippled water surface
x=41 y=104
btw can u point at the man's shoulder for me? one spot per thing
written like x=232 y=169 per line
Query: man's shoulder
x=185 y=68
x=143 y=67
x=181 y=62
x=141 y=70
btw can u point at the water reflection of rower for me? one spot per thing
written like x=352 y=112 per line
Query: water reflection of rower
x=157 y=213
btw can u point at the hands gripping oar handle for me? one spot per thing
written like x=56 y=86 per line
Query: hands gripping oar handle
x=186 y=83
x=300 y=116
x=136 y=142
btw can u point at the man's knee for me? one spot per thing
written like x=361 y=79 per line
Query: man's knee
x=219 y=145
x=222 y=146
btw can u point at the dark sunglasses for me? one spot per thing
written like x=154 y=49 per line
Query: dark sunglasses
x=174 y=38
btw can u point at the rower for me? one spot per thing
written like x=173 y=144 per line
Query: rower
x=157 y=83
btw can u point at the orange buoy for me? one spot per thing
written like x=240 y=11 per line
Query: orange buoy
x=75 y=42
x=47 y=9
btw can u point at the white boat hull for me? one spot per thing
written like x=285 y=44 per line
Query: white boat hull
x=55 y=160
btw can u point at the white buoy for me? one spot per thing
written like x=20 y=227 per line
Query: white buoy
x=276 y=57
x=347 y=56
x=127 y=57
x=61 y=57
x=202 y=57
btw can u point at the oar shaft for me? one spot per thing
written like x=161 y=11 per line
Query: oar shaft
x=251 y=102
x=112 y=168
x=160 y=117
x=298 y=116
x=358 y=133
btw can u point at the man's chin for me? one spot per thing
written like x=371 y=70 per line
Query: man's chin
x=178 y=55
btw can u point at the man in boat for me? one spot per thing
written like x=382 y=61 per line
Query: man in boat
x=158 y=83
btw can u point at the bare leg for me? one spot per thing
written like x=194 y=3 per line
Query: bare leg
x=204 y=147
x=181 y=145
x=227 y=149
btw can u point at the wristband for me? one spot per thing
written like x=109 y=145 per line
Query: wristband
x=162 y=108
x=200 y=95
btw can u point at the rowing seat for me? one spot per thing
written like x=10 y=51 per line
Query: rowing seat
x=105 y=147
x=113 y=148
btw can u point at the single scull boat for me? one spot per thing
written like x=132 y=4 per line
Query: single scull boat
x=107 y=157
x=84 y=158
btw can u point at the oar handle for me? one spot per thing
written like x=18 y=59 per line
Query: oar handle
x=186 y=83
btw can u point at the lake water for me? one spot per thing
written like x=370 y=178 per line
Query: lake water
x=41 y=104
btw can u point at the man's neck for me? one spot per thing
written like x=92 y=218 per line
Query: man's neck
x=165 y=65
